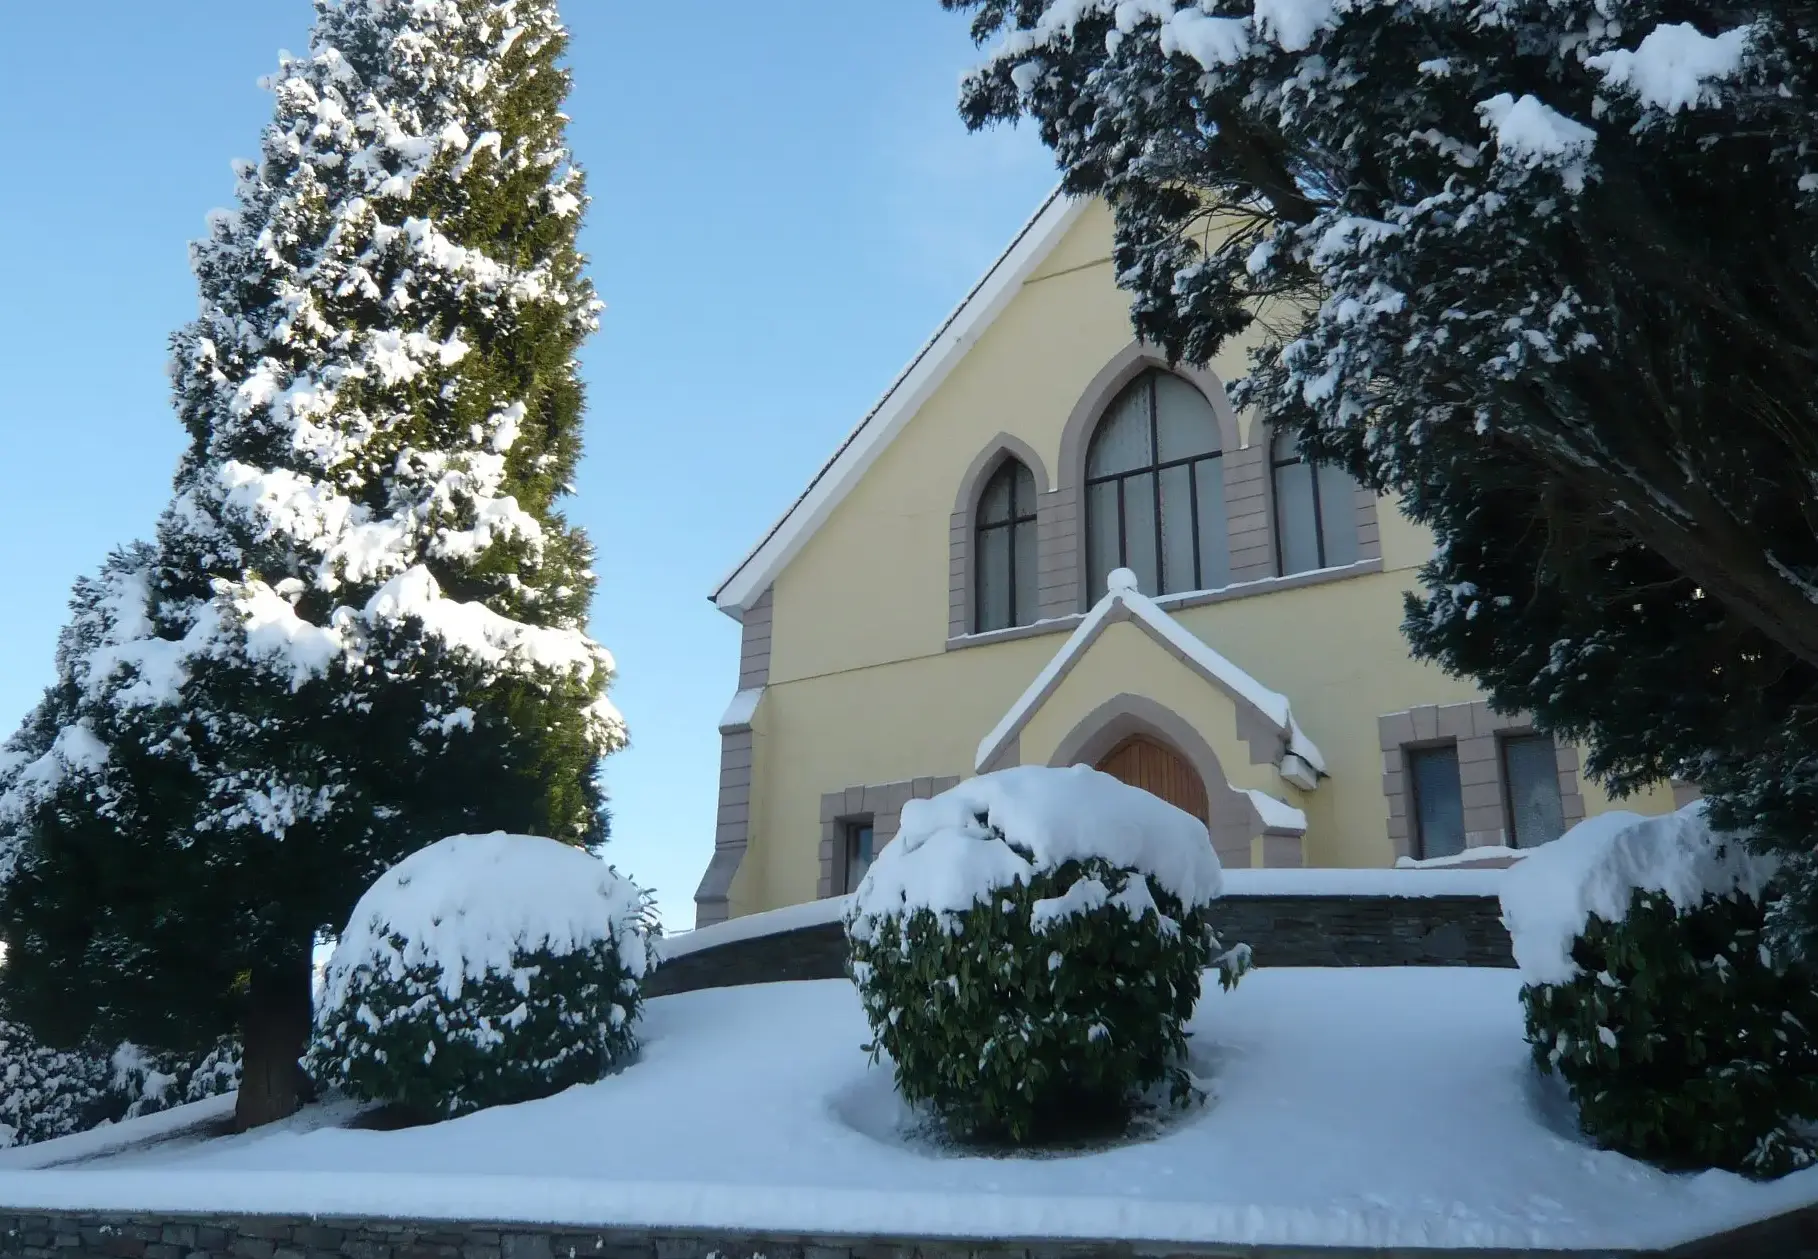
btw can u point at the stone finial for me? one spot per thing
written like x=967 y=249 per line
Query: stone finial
x=1121 y=579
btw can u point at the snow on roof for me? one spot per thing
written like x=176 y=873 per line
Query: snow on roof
x=1122 y=593
x=925 y=373
x=1597 y=866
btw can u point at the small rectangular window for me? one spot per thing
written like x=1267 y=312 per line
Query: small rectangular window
x=858 y=853
x=1438 y=804
x=1530 y=773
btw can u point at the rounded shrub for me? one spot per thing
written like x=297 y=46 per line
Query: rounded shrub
x=1682 y=1038
x=1029 y=949
x=481 y=971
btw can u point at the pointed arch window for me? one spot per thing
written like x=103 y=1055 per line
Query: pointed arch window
x=1315 y=510
x=1004 y=572
x=1155 y=489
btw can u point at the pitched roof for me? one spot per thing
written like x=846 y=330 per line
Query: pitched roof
x=917 y=382
x=1123 y=600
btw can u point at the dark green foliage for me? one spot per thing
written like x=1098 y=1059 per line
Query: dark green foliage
x=1004 y=1031
x=261 y=712
x=1595 y=380
x=1684 y=1041
x=401 y=1039
x=48 y=1093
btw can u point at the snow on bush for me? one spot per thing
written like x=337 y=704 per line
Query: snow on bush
x=47 y=1093
x=483 y=970
x=1029 y=948
x=1649 y=988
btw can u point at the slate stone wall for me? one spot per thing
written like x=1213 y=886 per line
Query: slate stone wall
x=146 y=1237
x=96 y=1236
x=1281 y=930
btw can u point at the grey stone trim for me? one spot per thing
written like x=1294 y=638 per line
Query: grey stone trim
x=1284 y=851
x=1129 y=363
x=879 y=803
x=1058 y=537
x=1232 y=819
x=1249 y=514
x=754 y=644
x=1268 y=585
x=738 y=750
x=1477 y=732
x=1177 y=603
x=960 y=583
x=1369 y=528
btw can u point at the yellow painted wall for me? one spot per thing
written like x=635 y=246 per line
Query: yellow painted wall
x=863 y=690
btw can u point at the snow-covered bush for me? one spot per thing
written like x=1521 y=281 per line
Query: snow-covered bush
x=1649 y=988
x=47 y=1093
x=480 y=971
x=144 y=1082
x=1030 y=947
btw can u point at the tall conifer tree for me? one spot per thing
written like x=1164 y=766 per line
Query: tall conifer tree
x=362 y=625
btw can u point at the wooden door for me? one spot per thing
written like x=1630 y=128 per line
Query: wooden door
x=1159 y=770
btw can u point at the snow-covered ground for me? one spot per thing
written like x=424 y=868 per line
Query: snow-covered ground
x=1391 y=1106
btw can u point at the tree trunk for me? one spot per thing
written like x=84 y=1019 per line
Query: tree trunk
x=272 y=1084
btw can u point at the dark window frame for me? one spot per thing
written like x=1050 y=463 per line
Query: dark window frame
x=1153 y=471
x=1009 y=467
x=1417 y=839
x=1503 y=740
x=850 y=828
x=1276 y=467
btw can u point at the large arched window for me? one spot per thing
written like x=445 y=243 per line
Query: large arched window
x=1155 y=489
x=1004 y=564
x=1315 y=510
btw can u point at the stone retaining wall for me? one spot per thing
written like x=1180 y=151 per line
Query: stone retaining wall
x=97 y=1236
x=1281 y=930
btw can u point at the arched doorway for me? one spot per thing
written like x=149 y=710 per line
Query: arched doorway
x=1146 y=762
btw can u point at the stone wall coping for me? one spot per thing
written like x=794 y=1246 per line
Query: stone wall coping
x=118 y=1234
x=751 y=926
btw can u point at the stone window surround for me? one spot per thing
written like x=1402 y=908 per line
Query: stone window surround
x=881 y=804
x=1478 y=734
x=1059 y=531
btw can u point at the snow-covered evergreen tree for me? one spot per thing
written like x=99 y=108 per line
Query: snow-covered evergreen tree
x=1548 y=268
x=362 y=625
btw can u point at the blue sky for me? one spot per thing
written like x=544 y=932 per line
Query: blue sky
x=769 y=180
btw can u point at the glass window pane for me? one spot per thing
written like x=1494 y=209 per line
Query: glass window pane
x=1214 y=546
x=1294 y=528
x=1283 y=446
x=1185 y=424
x=1023 y=612
x=1101 y=537
x=1121 y=442
x=994 y=503
x=1177 y=530
x=858 y=855
x=1338 y=514
x=1438 y=802
x=993 y=594
x=1022 y=502
x=1139 y=532
x=1536 y=813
